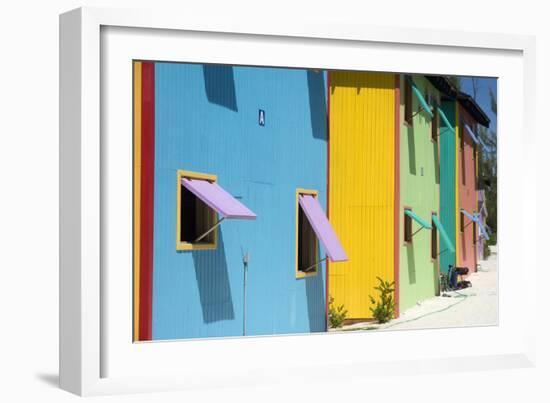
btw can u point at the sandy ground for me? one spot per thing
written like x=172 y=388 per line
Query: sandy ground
x=474 y=306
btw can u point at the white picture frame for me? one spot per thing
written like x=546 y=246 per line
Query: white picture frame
x=97 y=357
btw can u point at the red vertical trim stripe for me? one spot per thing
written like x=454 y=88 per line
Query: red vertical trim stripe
x=397 y=184
x=328 y=194
x=147 y=200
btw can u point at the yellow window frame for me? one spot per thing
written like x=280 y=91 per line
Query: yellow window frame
x=180 y=245
x=298 y=273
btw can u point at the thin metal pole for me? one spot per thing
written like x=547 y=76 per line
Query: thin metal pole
x=313 y=265
x=417 y=112
x=417 y=231
x=245 y=269
x=210 y=230
x=442 y=251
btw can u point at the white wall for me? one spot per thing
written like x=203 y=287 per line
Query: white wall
x=29 y=201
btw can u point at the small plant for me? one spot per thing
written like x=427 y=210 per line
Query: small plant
x=336 y=315
x=383 y=310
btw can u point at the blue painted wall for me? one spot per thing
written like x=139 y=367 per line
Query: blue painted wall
x=448 y=184
x=207 y=121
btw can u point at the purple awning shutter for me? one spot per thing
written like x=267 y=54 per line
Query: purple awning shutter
x=472 y=217
x=218 y=199
x=471 y=133
x=320 y=224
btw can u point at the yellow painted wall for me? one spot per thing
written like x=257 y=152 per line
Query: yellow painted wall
x=361 y=188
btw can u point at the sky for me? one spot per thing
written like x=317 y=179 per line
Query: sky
x=483 y=98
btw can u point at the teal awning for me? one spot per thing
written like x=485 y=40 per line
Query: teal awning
x=444 y=118
x=444 y=237
x=420 y=98
x=418 y=219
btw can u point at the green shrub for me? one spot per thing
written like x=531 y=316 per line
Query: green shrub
x=383 y=310
x=336 y=315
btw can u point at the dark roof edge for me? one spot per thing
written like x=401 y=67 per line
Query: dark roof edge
x=444 y=85
x=473 y=108
x=447 y=88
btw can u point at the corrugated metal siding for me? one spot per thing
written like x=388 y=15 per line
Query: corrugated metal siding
x=207 y=121
x=447 y=148
x=419 y=274
x=361 y=185
x=467 y=195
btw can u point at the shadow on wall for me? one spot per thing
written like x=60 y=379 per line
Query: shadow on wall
x=315 y=295
x=463 y=244
x=436 y=277
x=317 y=103
x=412 y=151
x=213 y=283
x=463 y=165
x=436 y=161
x=219 y=85
x=410 y=263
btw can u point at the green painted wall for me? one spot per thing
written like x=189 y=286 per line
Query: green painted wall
x=419 y=184
x=448 y=183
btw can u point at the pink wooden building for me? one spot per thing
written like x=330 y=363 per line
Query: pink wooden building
x=470 y=116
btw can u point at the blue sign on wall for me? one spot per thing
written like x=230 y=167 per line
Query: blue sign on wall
x=261 y=117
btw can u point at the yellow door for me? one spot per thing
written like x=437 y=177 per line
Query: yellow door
x=361 y=185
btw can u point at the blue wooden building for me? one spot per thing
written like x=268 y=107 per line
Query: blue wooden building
x=261 y=135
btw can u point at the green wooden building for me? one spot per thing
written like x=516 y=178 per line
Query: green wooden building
x=425 y=143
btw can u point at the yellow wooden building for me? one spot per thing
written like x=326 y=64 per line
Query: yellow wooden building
x=363 y=109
